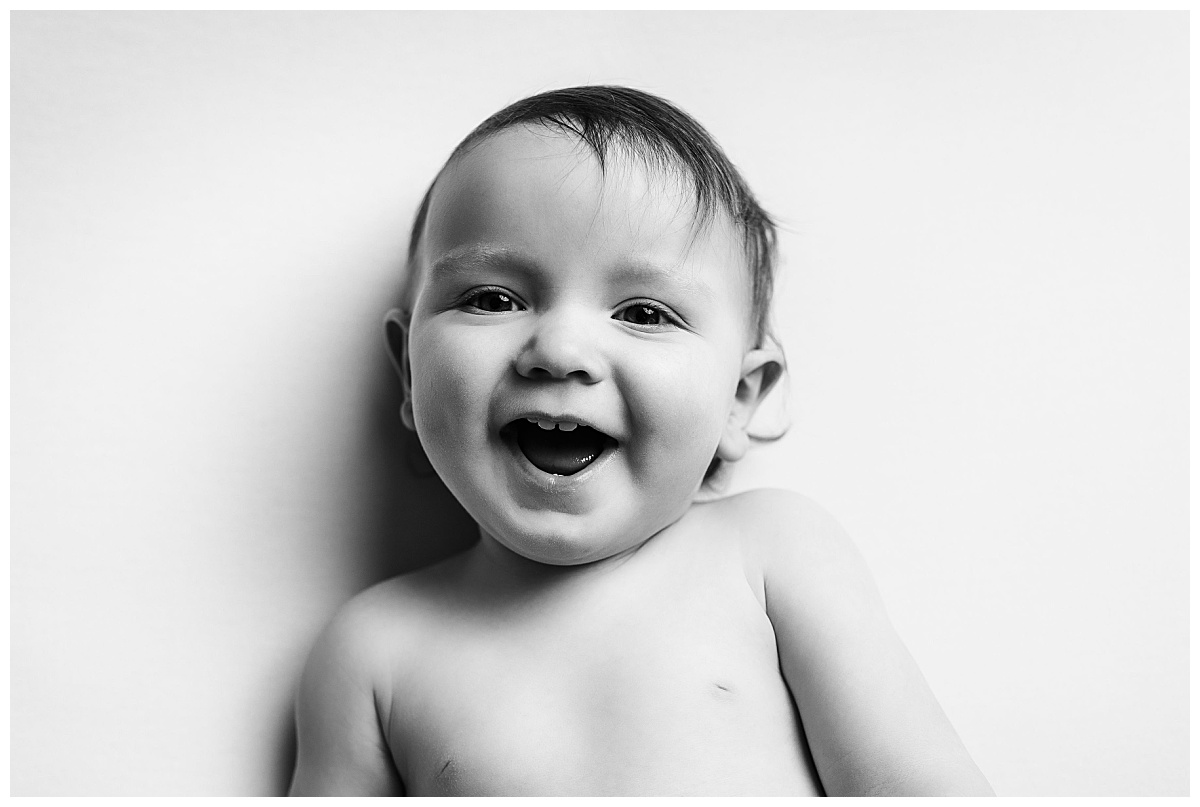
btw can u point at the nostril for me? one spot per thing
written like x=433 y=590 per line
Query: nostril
x=536 y=372
x=544 y=374
x=544 y=365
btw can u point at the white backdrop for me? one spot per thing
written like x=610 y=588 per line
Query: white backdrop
x=984 y=301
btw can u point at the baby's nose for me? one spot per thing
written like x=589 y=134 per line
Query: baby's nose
x=563 y=345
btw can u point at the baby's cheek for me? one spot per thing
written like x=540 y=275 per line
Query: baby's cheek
x=684 y=403
x=446 y=378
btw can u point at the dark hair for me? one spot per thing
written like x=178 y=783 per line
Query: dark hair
x=604 y=117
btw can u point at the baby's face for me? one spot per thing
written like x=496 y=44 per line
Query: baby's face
x=575 y=345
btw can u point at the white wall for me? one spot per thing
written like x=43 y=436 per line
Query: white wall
x=984 y=301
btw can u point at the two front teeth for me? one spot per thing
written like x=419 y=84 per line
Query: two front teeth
x=550 y=425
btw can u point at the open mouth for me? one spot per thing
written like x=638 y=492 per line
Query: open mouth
x=563 y=447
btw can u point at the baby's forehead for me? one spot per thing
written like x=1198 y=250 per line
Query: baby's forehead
x=536 y=168
x=518 y=152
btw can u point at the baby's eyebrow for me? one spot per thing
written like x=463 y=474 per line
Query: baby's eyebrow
x=649 y=272
x=642 y=270
x=469 y=256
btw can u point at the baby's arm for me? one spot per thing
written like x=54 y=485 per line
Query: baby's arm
x=871 y=721
x=341 y=748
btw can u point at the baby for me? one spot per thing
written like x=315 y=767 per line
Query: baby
x=583 y=344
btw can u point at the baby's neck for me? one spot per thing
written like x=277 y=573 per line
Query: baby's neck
x=500 y=569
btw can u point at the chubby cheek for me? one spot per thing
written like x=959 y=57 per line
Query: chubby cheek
x=678 y=407
x=450 y=381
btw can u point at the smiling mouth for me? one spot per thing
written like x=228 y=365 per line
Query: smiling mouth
x=557 y=450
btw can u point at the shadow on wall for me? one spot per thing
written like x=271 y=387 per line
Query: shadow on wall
x=405 y=517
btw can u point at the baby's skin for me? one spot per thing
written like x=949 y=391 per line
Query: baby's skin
x=617 y=630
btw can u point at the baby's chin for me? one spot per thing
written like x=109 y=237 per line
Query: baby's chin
x=557 y=539
x=558 y=550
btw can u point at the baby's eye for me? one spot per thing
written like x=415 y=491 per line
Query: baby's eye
x=645 y=315
x=493 y=301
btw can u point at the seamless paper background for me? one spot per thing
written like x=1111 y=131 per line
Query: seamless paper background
x=984 y=301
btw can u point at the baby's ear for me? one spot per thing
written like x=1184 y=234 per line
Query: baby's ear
x=761 y=369
x=395 y=328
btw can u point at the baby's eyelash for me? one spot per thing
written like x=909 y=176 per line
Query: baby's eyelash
x=491 y=300
x=637 y=313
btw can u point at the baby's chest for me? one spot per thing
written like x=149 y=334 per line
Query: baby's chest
x=674 y=700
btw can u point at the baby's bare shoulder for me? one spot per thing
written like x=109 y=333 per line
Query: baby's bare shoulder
x=377 y=622
x=773 y=523
x=371 y=636
x=782 y=537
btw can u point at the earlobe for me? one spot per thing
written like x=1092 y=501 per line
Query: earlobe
x=395 y=325
x=406 y=415
x=761 y=369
